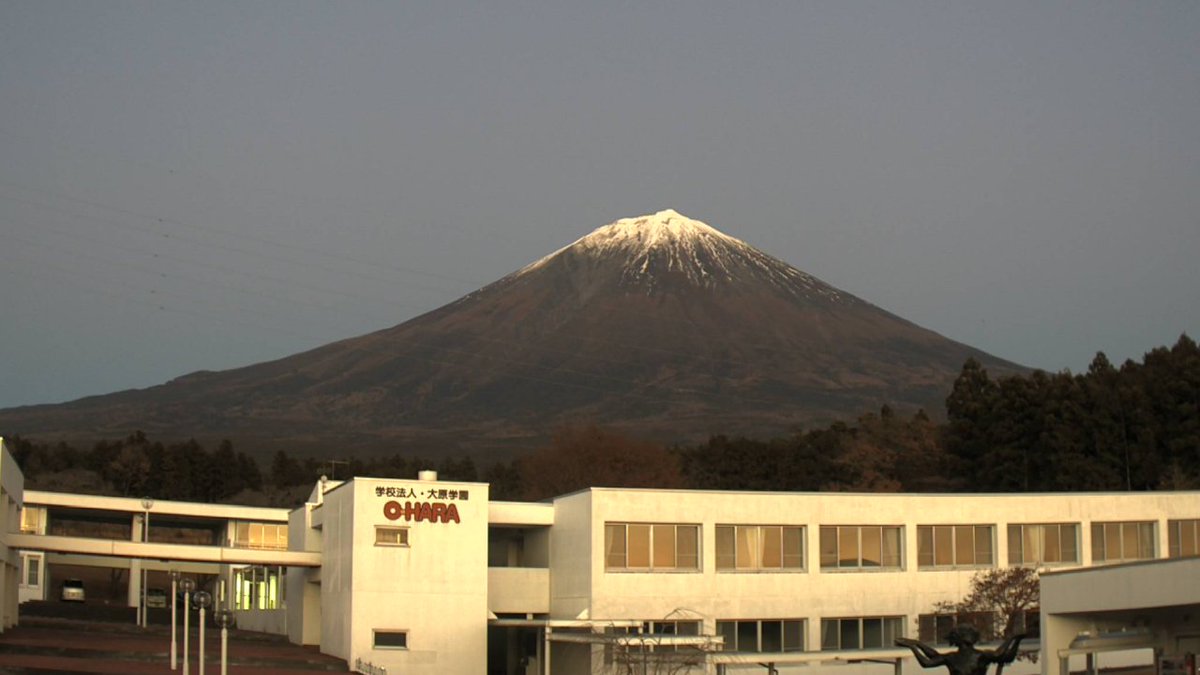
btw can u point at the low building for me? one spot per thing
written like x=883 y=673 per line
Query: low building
x=430 y=577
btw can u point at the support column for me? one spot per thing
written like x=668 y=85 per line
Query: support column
x=135 y=567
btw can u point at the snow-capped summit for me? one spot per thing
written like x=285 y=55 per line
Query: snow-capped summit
x=654 y=249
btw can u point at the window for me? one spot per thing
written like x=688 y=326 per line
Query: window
x=860 y=547
x=869 y=632
x=1183 y=538
x=1117 y=542
x=33 y=569
x=954 y=546
x=1043 y=544
x=391 y=639
x=258 y=588
x=31 y=519
x=750 y=548
x=933 y=628
x=391 y=536
x=260 y=535
x=651 y=547
x=763 y=635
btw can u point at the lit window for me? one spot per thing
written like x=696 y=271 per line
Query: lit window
x=651 y=547
x=391 y=536
x=1043 y=544
x=954 y=546
x=1119 y=542
x=271 y=536
x=763 y=635
x=750 y=548
x=867 y=632
x=391 y=639
x=860 y=547
x=31 y=518
x=1183 y=538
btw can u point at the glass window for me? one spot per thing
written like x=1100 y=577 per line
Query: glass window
x=950 y=546
x=33 y=568
x=861 y=547
x=1043 y=544
x=933 y=628
x=31 y=518
x=391 y=536
x=260 y=535
x=1183 y=538
x=867 y=632
x=391 y=639
x=762 y=635
x=657 y=547
x=754 y=548
x=1117 y=542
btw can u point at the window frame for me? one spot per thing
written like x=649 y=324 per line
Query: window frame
x=841 y=545
x=654 y=548
x=930 y=561
x=1101 y=535
x=1024 y=561
x=727 y=627
x=1183 y=533
x=404 y=538
x=895 y=621
x=376 y=632
x=986 y=622
x=758 y=565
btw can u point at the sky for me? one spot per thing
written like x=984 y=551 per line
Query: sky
x=206 y=185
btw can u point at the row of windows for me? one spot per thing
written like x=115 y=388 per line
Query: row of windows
x=258 y=587
x=750 y=548
x=272 y=536
x=842 y=633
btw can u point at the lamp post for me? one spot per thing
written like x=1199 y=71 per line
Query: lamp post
x=174 y=592
x=203 y=600
x=224 y=619
x=188 y=585
x=147 y=503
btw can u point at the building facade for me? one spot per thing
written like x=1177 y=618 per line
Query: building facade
x=428 y=576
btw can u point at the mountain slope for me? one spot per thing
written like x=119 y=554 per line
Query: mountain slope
x=659 y=324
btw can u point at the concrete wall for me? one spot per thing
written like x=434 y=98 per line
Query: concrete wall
x=337 y=570
x=709 y=595
x=435 y=588
x=12 y=489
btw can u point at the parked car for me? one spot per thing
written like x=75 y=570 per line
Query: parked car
x=72 y=590
x=156 y=597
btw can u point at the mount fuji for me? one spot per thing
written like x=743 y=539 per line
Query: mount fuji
x=660 y=326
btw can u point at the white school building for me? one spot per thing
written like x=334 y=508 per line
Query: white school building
x=433 y=577
x=427 y=576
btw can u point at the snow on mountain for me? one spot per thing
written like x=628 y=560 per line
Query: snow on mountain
x=669 y=242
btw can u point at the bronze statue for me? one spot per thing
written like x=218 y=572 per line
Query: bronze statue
x=967 y=660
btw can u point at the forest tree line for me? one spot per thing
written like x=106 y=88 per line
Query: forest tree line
x=1133 y=427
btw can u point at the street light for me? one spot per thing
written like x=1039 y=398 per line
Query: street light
x=174 y=593
x=147 y=503
x=188 y=585
x=224 y=619
x=203 y=600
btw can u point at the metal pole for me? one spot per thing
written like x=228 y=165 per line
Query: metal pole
x=201 y=640
x=224 y=650
x=174 y=640
x=186 y=631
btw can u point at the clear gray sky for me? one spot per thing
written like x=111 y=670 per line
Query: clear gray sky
x=203 y=185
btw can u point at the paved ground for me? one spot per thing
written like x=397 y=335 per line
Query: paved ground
x=43 y=645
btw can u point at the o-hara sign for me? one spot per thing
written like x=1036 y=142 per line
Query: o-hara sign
x=422 y=511
x=434 y=512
